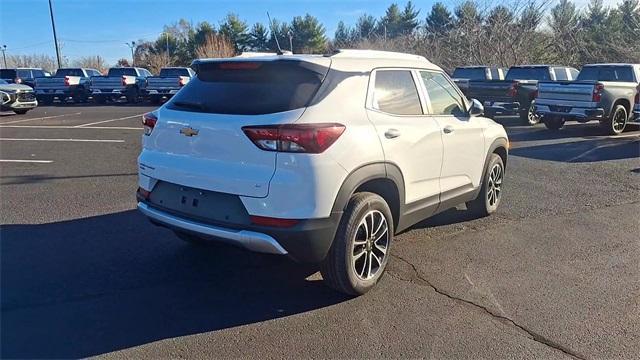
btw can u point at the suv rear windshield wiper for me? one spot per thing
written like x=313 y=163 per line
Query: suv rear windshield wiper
x=190 y=105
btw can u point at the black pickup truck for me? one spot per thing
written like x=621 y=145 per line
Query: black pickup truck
x=463 y=74
x=516 y=93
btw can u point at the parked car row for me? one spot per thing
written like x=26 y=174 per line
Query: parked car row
x=609 y=93
x=80 y=84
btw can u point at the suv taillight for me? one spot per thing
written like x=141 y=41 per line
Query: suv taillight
x=597 y=93
x=66 y=81
x=18 y=81
x=182 y=81
x=149 y=121
x=124 y=80
x=513 y=89
x=297 y=138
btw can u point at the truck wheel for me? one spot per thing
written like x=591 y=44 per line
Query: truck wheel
x=360 y=250
x=529 y=116
x=488 y=199
x=132 y=95
x=554 y=123
x=21 y=111
x=80 y=96
x=616 y=122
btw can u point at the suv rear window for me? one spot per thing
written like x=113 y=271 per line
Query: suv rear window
x=7 y=74
x=250 y=88
x=607 y=73
x=174 y=72
x=470 y=73
x=113 y=72
x=528 y=73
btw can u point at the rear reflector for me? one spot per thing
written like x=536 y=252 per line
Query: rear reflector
x=297 y=138
x=149 y=121
x=144 y=193
x=272 y=222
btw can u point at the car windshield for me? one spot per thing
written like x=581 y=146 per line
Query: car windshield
x=250 y=88
x=122 y=71
x=174 y=72
x=528 y=73
x=607 y=73
x=470 y=73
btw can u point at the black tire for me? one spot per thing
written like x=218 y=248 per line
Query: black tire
x=617 y=121
x=554 y=123
x=529 y=116
x=132 y=95
x=155 y=99
x=21 y=111
x=339 y=267
x=46 y=100
x=190 y=238
x=485 y=204
x=80 y=96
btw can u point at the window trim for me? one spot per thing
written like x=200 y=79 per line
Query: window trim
x=465 y=102
x=372 y=86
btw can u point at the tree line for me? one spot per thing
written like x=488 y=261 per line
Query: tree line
x=471 y=33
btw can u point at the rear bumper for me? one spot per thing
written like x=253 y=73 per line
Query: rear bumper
x=636 y=114
x=570 y=112
x=501 y=108
x=308 y=241
x=162 y=91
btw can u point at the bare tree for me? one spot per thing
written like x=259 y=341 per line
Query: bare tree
x=215 y=46
x=92 y=62
x=45 y=62
x=155 y=62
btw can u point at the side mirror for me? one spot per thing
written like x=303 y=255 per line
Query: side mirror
x=476 y=108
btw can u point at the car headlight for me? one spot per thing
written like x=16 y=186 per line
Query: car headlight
x=5 y=98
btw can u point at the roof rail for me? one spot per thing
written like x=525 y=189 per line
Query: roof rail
x=376 y=54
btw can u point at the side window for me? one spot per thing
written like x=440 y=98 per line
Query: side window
x=561 y=73
x=574 y=73
x=37 y=73
x=495 y=74
x=24 y=74
x=445 y=100
x=395 y=93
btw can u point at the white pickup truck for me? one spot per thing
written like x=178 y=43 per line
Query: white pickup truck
x=168 y=83
x=120 y=81
x=66 y=83
x=609 y=93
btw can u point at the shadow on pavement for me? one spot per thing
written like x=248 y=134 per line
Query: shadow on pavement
x=32 y=179
x=602 y=149
x=90 y=286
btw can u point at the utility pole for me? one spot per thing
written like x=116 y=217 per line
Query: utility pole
x=166 y=36
x=132 y=46
x=290 y=34
x=55 y=37
x=4 y=57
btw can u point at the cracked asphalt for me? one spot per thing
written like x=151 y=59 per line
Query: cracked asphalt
x=555 y=273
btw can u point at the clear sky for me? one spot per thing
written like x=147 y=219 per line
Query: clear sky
x=101 y=27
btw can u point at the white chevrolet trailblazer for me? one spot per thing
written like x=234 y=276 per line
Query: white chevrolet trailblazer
x=322 y=158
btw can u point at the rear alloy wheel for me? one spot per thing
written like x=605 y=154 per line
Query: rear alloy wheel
x=21 y=111
x=360 y=250
x=553 y=123
x=616 y=123
x=530 y=115
x=490 y=194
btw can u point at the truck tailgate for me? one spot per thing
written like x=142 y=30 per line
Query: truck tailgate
x=566 y=90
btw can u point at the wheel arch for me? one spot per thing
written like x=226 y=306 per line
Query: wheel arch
x=624 y=102
x=381 y=178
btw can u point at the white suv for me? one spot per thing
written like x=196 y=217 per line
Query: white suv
x=322 y=158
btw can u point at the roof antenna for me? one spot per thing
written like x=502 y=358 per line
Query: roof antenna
x=275 y=35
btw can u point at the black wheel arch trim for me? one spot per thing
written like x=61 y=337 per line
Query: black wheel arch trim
x=500 y=142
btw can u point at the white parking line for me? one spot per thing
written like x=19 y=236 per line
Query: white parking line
x=27 y=161
x=106 y=121
x=69 y=140
x=70 y=127
x=40 y=118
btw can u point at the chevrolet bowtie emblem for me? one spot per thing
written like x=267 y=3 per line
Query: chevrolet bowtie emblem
x=188 y=131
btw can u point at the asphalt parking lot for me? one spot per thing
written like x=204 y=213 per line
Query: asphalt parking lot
x=554 y=274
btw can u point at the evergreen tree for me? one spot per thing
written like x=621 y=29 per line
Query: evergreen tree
x=409 y=18
x=390 y=25
x=439 y=22
x=259 y=37
x=365 y=27
x=308 y=35
x=235 y=30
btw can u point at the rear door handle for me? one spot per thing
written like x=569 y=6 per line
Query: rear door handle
x=447 y=129
x=392 y=133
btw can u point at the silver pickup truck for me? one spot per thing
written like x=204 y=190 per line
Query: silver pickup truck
x=608 y=93
x=168 y=83
x=130 y=82
x=66 y=83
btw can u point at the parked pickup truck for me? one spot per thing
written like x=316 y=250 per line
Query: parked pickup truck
x=462 y=75
x=608 y=93
x=516 y=93
x=120 y=81
x=167 y=84
x=25 y=76
x=66 y=83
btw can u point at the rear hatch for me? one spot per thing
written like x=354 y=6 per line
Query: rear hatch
x=213 y=107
